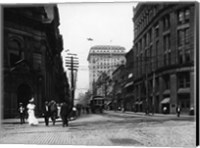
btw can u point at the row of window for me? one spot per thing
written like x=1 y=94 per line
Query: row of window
x=144 y=65
x=106 y=59
x=183 y=16
x=107 y=51
x=183 y=81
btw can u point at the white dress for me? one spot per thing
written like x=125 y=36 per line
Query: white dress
x=31 y=115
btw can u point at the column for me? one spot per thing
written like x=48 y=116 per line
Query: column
x=160 y=93
x=192 y=90
x=173 y=93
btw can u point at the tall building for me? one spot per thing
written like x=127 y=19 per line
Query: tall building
x=104 y=59
x=32 y=64
x=164 y=45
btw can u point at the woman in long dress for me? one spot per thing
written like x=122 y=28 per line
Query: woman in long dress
x=31 y=113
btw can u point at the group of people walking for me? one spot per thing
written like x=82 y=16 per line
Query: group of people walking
x=51 y=110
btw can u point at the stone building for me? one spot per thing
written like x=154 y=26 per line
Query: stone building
x=104 y=59
x=32 y=64
x=164 y=45
x=118 y=79
x=128 y=87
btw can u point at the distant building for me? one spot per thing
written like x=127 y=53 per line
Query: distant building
x=104 y=59
x=164 y=45
x=32 y=64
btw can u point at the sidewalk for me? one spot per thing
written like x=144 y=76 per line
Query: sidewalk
x=154 y=115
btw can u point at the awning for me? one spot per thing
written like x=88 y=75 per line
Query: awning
x=129 y=84
x=138 y=102
x=183 y=90
x=166 y=92
x=166 y=100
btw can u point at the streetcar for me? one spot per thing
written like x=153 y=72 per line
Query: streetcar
x=97 y=104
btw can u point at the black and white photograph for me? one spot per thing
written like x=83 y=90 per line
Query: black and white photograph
x=100 y=73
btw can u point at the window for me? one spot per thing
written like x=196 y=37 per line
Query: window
x=157 y=30
x=183 y=37
x=165 y=59
x=15 y=52
x=180 y=37
x=167 y=42
x=180 y=57
x=167 y=82
x=145 y=40
x=150 y=36
x=186 y=35
x=166 y=22
x=157 y=45
x=183 y=16
x=37 y=60
x=184 y=80
x=187 y=56
x=169 y=57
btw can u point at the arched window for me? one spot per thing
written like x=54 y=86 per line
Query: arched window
x=15 y=52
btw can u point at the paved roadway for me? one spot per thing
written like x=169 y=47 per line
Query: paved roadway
x=108 y=129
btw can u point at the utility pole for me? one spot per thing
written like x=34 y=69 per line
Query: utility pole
x=71 y=62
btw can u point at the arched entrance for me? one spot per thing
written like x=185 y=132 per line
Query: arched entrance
x=24 y=94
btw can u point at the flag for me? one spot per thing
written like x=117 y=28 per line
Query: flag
x=89 y=39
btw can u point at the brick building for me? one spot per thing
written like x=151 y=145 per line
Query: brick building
x=164 y=45
x=32 y=64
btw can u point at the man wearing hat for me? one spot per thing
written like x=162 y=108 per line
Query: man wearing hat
x=21 y=113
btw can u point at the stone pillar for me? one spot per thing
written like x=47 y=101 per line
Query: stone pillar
x=173 y=93
x=160 y=93
x=192 y=91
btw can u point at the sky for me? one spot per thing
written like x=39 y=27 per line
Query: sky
x=105 y=23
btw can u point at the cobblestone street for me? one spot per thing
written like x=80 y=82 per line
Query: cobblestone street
x=108 y=129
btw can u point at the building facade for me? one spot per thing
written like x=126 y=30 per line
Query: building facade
x=32 y=64
x=118 y=79
x=104 y=59
x=164 y=45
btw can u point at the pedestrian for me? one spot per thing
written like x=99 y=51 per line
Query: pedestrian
x=53 y=111
x=87 y=109
x=32 y=120
x=165 y=110
x=58 y=110
x=46 y=113
x=78 y=106
x=178 y=110
x=74 y=112
x=64 y=113
x=21 y=113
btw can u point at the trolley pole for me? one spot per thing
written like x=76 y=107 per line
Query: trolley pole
x=72 y=64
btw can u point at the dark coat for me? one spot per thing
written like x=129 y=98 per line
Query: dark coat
x=65 y=110
x=45 y=111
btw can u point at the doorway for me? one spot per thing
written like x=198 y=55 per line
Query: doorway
x=24 y=94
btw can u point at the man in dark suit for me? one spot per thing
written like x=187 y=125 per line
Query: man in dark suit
x=46 y=113
x=21 y=113
x=64 y=113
